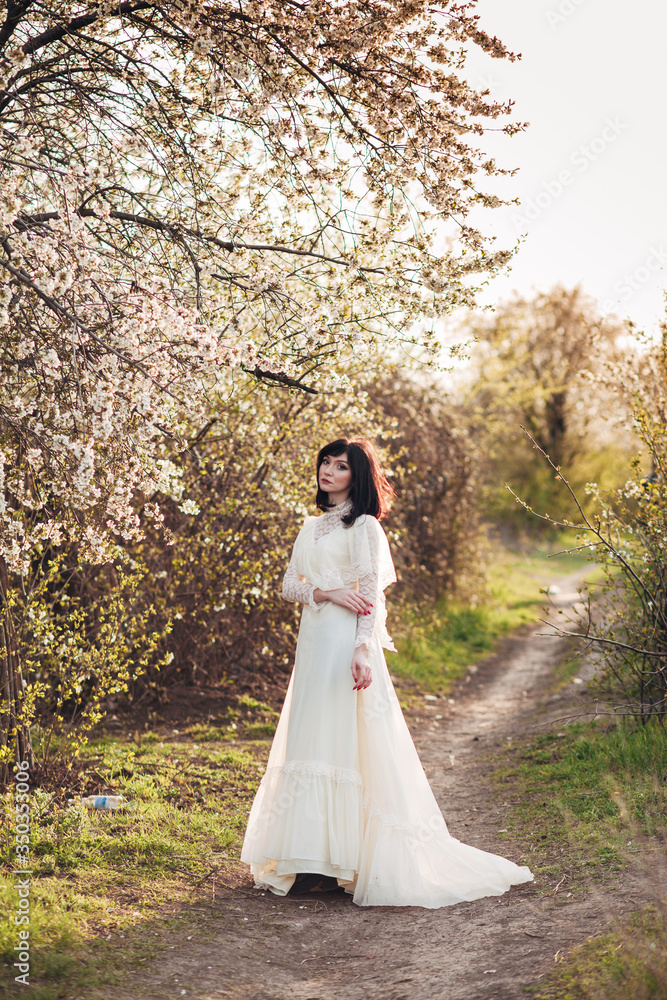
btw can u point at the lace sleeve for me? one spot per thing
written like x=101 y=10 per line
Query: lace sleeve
x=297 y=588
x=366 y=623
x=375 y=573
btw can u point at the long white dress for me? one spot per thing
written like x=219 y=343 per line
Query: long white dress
x=344 y=792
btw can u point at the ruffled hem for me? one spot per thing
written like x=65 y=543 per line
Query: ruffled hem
x=278 y=876
x=320 y=821
x=319 y=768
x=305 y=812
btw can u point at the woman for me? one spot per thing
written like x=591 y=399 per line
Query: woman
x=345 y=802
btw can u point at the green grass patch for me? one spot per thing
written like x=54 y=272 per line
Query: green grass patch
x=437 y=644
x=107 y=886
x=629 y=963
x=583 y=801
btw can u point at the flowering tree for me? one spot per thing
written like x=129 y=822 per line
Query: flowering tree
x=193 y=188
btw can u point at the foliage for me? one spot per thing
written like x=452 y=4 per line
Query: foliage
x=80 y=639
x=626 y=534
x=533 y=366
x=436 y=535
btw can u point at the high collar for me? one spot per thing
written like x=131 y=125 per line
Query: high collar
x=340 y=510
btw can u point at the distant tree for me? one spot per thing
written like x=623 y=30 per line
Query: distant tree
x=530 y=357
x=533 y=366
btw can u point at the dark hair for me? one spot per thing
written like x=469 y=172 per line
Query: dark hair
x=371 y=492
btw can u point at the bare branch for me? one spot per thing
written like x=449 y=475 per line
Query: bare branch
x=563 y=633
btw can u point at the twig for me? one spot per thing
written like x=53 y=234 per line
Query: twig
x=554 y=891
x=244 y=892
x=616 y=713
x=330 y=958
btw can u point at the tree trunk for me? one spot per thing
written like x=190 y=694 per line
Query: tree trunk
x=14 y=733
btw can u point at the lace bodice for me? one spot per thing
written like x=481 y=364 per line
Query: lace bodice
x=328 y=555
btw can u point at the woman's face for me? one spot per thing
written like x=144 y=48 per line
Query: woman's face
x=335 y=477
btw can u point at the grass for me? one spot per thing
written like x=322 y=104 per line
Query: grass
x=437 y=645
x=583 y=801
x=629 y=963
x=583 y=804
x=112 y=883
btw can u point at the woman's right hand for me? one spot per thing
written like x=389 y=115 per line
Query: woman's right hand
x=346 y=597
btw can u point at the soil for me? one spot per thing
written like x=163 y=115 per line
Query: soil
x=248 y=945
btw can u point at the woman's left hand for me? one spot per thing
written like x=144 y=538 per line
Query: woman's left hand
x=361 y=671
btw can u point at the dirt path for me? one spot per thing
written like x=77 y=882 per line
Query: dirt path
x=262 y=947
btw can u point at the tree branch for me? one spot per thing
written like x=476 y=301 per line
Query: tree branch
x=280 y=378
x=71 y=28
x=637 y=583
x=15 y=12
x=177 y=230
x=564 y=634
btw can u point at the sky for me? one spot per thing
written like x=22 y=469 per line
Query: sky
x=592 y=82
